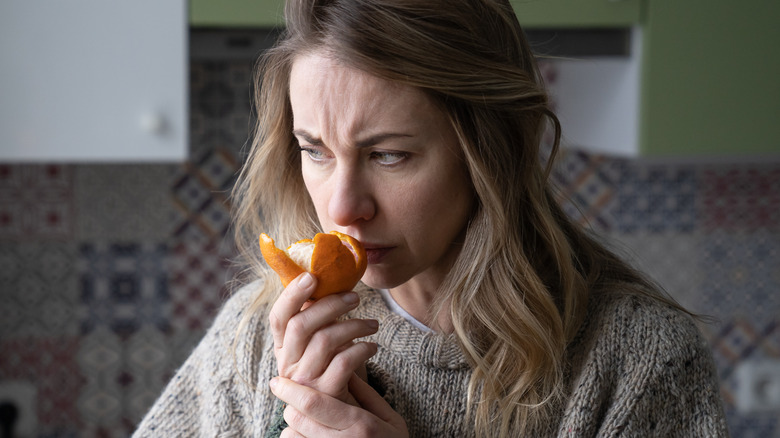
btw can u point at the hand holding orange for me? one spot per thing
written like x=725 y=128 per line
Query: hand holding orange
x=337 y=260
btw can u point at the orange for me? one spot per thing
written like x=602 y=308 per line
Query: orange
x=337 y=260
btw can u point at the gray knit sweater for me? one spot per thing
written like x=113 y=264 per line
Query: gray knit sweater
x=637 y=369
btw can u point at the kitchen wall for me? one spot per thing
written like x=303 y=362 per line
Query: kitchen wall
x=109 y=274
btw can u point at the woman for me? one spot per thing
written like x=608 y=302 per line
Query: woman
x=415 y=126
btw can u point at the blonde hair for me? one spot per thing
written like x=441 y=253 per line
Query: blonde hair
x=519 y=288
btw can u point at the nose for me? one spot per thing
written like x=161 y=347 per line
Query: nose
x=351 y=199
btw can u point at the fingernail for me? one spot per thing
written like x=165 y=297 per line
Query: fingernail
x=350 y=298
x=306 y=281
x=372 y=323
x=272 y=383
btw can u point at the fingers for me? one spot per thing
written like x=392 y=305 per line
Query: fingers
x=290 y=433
x=286 y=312
x=371 y=401
x=331 y=357
x=312 y=346
x=334 y=339
x=312 y=413
x=342 y=368
x=304 y=324
x=298 y=422
x=288 y=304
x=310 y=410
x=313 y=336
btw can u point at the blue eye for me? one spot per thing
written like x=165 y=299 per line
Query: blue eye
x=388 y=158
x=314 y=154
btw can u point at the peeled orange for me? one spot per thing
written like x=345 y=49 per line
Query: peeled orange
x=337 y=260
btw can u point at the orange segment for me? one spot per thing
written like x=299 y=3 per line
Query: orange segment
x=338 y=261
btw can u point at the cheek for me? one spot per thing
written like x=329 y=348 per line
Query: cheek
x=439 y=208
x=450 y=208
x=317 y=193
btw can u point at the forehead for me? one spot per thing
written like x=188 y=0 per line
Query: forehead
x=326 y=92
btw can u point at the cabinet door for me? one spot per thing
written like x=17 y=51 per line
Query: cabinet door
x=711 y=78
x=237 y=13
x=93 y=80
x=532 y=13
x=577 y=13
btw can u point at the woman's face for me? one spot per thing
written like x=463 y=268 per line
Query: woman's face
x=381 y=163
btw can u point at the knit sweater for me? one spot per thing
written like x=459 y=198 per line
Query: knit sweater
x=637 y=368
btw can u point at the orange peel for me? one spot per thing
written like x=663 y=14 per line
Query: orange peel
x=337 y=260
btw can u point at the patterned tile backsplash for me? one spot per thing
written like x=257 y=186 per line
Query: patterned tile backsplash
x=110 y=274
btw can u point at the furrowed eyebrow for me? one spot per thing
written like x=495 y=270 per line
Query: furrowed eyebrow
x=312 y=140
x=379 y=138
x=364 y=143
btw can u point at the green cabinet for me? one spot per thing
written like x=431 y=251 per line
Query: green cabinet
x=577 y=13
x=532 y=13
x=237 y=13
x=711 y=78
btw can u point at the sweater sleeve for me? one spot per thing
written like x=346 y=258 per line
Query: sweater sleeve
x=650 y=373
x=202 y=397
x=676 y=392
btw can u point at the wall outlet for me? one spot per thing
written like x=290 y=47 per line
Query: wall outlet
x=758 y=386
x=23 y=395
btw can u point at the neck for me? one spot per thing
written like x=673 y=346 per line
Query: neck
x=421 y=304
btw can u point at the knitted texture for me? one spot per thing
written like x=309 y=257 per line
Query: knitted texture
x=636 y=368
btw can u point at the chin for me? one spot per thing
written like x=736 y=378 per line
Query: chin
x=380 y=281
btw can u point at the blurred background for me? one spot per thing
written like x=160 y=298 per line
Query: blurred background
x=115 y=243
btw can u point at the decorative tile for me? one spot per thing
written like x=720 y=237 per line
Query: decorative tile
x=586 y=187
x=220 y=95
x=770 y=343
x=752 y=425
x=60 y=433
x=200 y=273
x=124 y=202
x=739 y=340
x=38 y=289
x=181 y=347
x=669 y=259
x=49 y=364
x=101 y=359
x=100 y=355
x=740 y=198
x=36 y=202
x=124 y=376
x=101 y=409
x=201 y=196
x=741 y=274
x=734 y=342
x=148 y=358
x=656 y=199
x=124 y=287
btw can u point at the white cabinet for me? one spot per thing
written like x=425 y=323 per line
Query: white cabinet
x=597 y=100
x=93 y=80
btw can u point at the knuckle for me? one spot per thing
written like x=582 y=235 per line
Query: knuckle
x=296 y=326
x=311 y=402
x=337 y=305
x=323 y=338
x=274 y=322
x=305 y=378
x=341 y=363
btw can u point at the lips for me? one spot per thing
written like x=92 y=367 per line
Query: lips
x=376 y=255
